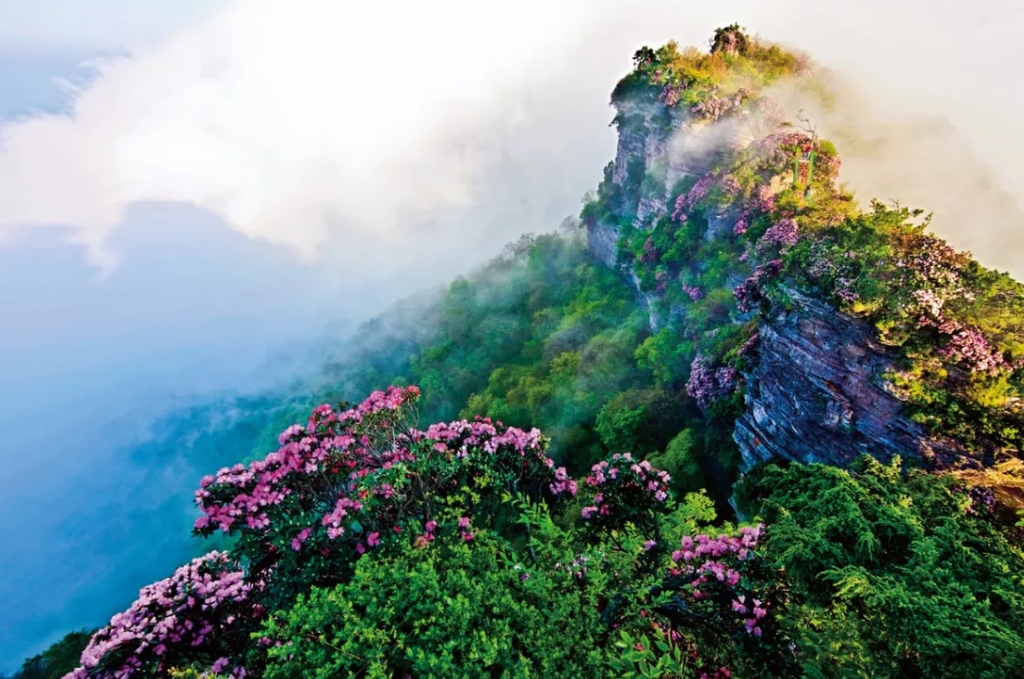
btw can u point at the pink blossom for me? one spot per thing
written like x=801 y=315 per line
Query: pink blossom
x=783 y=235
x=161 y=624
x=694 y=293
x=707 y=386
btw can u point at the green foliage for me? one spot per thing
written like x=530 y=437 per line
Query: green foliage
x=58 y=660
x=735 y=61
x=557 y=605
x=640 y=421
x=447 y=610
x=663 y=356
x=890 y=577
x=681 y=459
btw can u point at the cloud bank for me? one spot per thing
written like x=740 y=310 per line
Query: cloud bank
x=283 y=118
x=295 y=121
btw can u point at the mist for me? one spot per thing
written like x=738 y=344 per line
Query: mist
x=190 y=230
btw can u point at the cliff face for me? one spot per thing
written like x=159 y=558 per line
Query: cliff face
x=816 y=392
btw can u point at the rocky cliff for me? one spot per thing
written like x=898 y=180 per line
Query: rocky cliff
x=815 y=386
x=817 y=392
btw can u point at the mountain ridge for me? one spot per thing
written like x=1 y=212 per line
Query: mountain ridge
x=732 y=319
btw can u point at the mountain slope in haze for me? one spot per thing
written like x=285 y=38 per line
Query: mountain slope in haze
x=820 y=404
x=849 y=331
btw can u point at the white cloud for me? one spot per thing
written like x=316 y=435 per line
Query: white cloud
x=288 y=119
x=92 y=25
x=280 y=117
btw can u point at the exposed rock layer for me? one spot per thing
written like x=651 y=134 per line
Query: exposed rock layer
x=817 y=393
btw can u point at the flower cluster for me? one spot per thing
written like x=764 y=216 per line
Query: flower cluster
x=932 y=264
x=782 y=235
x=715 y=107
x=713 y=569
x=775 y=151
x=730 y=186
x=698 y=192
x=933 y=271
x=827 y=167
x=706 y=385
x=679 y=209
x=981 y=500
x=748 y=293
x=671 y=94
x=562 y=483
x=965 y=345
x=650 y=252
x=173 y=621
x=335 y=519
x=239 y=497
x=784 y=141
x=509 y=450
x=627 y=489
x=693 y=292
x=763 y=199
x=837 y=269
x=661 y=279
x=428 y=534
x=968 y=347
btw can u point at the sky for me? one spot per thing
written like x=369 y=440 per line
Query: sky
x=196 y=196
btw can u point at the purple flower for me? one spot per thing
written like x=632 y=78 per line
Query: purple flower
x=782 y=235
x=706 y=385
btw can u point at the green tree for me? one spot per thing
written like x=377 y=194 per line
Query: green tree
x=892 y=574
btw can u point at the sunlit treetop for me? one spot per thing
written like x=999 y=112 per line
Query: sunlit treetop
x=736 y=63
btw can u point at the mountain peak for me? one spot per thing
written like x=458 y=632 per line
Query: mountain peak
x=725 y=215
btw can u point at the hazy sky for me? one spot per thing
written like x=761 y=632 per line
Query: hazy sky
x=233 y=175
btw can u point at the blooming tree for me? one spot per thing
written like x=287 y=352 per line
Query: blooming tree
x=350 y=481
x=626 y=490
x=187 y=617
x=749 y=293
x=782 y=235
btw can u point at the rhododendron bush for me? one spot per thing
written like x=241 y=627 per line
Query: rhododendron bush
x=196 y=613
x=361 y=483
x=362 y=478
x=718 y=591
